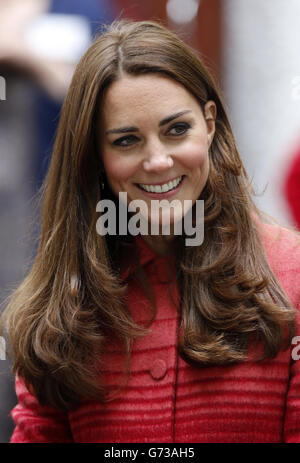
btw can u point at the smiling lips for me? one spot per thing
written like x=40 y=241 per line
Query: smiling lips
x=164 y=188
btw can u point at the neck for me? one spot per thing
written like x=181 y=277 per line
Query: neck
x=163 y=245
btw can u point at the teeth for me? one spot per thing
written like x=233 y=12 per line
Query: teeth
x=162 y=188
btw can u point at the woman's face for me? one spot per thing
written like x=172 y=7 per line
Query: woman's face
x=154 y=140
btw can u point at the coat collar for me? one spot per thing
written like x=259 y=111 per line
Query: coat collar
x=138 y=248
x=141 y=250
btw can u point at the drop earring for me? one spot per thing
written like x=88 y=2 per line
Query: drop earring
x=102 y=184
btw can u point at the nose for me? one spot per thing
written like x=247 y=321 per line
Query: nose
x=158 y=159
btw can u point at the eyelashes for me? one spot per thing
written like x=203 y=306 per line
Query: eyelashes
x=180 y=128
x=176 y=130
x=128 y=140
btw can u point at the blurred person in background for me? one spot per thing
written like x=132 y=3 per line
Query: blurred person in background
x=121 y=338
x=292 y=188
x=40 y=43
x=45 y=39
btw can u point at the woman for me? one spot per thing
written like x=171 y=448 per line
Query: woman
x=121 y=338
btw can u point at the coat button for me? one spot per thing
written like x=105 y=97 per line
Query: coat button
x=159 y=369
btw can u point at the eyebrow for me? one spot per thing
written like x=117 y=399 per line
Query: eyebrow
x=164 y=121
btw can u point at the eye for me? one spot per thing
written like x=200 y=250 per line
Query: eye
x=180 y=128
x=128 y=140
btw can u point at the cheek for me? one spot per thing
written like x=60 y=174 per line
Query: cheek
x=194 y=155
x=117 y=168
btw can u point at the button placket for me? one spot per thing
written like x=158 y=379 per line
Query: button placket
x=159 y=369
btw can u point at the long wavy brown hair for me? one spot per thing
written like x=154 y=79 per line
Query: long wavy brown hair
x=73 y=299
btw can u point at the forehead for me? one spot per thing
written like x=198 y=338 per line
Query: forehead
x=152 y=95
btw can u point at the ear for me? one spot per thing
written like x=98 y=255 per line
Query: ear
x=210 y=114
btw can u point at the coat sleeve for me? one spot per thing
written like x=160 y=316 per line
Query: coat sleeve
x=283 y=250
x=292 y=414
x=35 y=423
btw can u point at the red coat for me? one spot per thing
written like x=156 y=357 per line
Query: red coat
x=166 y=400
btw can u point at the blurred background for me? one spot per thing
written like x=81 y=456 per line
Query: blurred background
x=251 y=47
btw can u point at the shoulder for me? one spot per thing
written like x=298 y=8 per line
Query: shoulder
x=282 y=248
x=282 y=245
